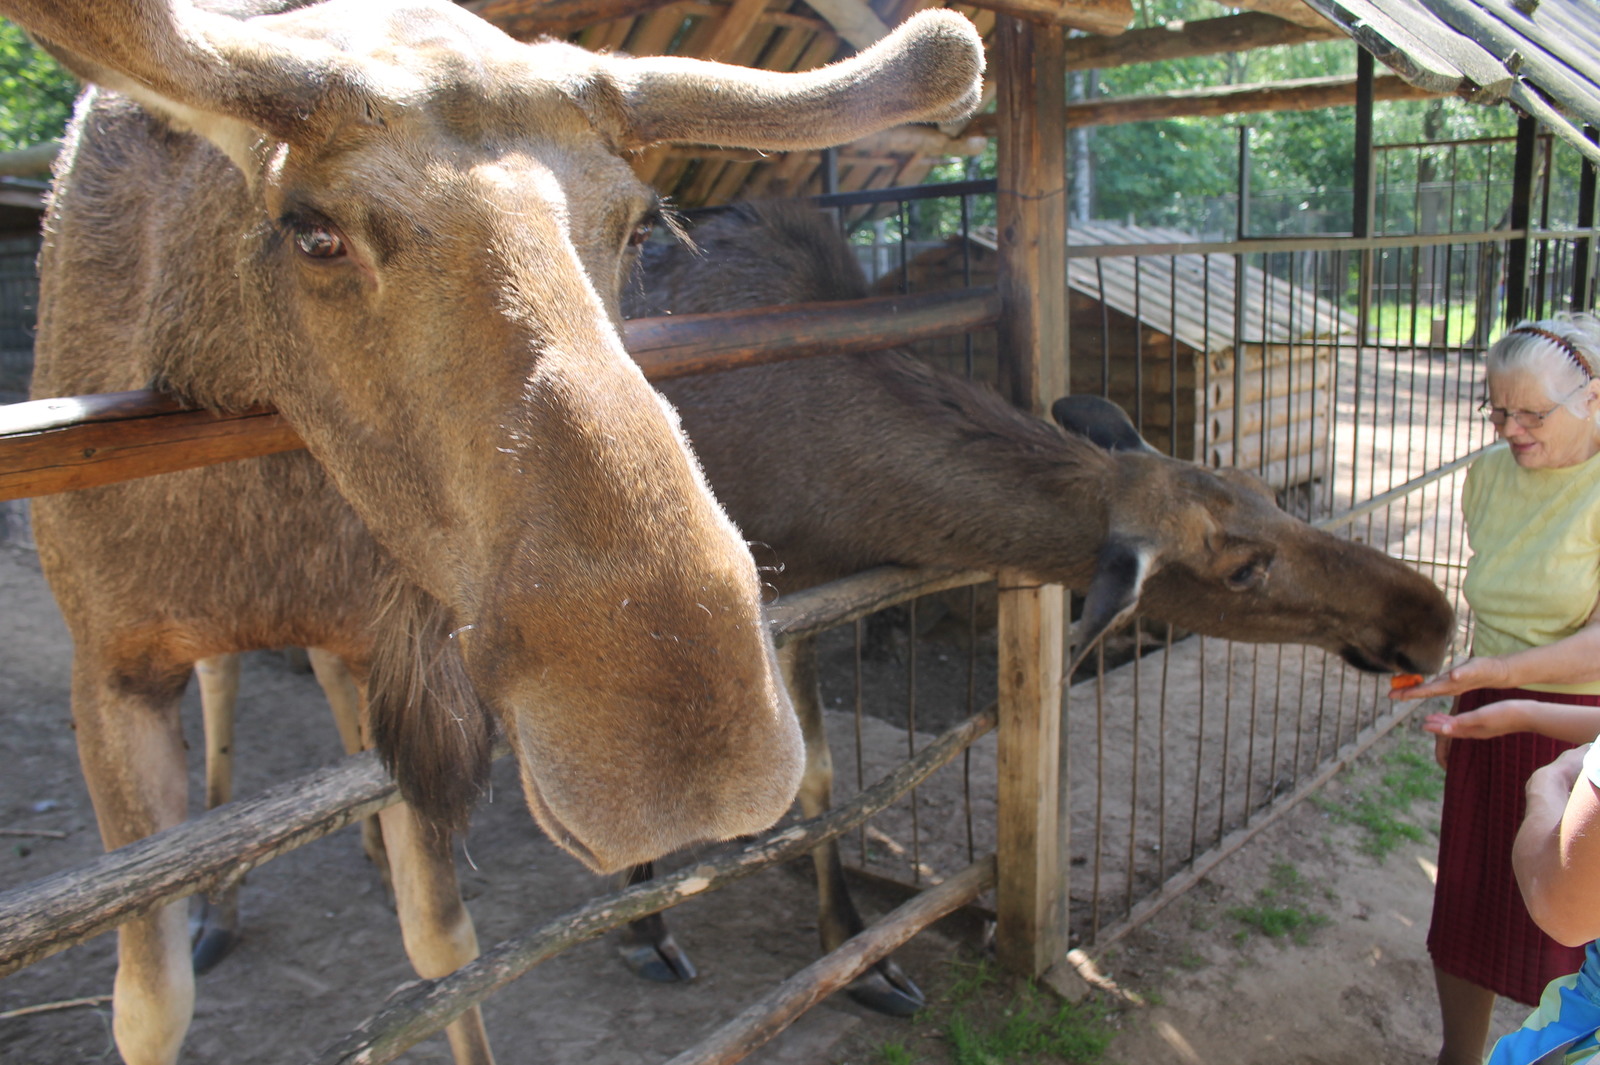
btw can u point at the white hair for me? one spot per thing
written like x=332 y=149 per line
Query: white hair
x=1562 y=354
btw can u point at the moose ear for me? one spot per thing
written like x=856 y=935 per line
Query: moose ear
x=1119 y=574
x=1099 y=421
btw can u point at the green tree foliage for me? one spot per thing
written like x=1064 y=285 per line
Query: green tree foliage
x=1183 y=172
x=36 y=94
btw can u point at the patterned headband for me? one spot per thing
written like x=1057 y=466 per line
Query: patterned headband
x=1561 y=342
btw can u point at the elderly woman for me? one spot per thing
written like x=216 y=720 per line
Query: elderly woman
x=1532 y=511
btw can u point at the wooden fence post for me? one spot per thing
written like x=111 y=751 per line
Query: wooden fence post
x=1030 y=78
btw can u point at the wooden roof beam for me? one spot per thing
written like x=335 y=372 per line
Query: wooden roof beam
x=1184 y=40
x=525 y=19
x=1105 y=17
x=1296 y=11
x=1307 y=94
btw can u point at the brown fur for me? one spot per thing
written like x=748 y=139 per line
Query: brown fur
x=832 y=465
x=494 y=510
x=837 y=464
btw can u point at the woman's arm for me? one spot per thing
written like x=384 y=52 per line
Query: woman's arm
x=1573 y=659
x=1557 y=851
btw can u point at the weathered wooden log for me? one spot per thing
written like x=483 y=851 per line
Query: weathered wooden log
x=1295 y=11
x=205 y=854
x=1200 y=37
x=1278 y=380
x=1107 y=17
x=106 y=451
x=1031 y=215
x=1299 y=437
x=852 y=20
x=1279 y=410
x=44 y=448
x=842 y=601
x=699 y=343
x=419 y=1009
x=778 y=1008
x=33 y=161
x=527 y=19
x=1306 y=94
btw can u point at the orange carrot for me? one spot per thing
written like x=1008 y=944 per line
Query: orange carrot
x=1402 y=681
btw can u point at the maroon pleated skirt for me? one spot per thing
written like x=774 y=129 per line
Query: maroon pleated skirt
x=1481 y=930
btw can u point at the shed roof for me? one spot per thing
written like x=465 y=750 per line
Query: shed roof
x=1542 y=55
x=1190 y=296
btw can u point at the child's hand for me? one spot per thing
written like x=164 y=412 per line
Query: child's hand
x=1555 y=780
x=1486 y=722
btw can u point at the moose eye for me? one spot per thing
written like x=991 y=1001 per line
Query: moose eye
x=1247 y=575
x=641 y=232
x=318 y=240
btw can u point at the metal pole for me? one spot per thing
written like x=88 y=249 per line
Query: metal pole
x=1583 y=247
x=1521 y=214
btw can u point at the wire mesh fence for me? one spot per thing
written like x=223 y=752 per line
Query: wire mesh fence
x=1344 y=372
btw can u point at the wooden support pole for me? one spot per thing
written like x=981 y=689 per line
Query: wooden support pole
x=778 y=1008
x=1030 y=77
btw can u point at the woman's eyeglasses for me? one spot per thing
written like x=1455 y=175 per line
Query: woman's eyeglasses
x=1528 y=419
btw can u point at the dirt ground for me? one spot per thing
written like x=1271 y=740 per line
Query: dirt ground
x=320 y=950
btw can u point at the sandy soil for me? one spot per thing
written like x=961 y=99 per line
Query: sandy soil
x=321 y=950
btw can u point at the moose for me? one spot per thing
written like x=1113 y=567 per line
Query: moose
x=407 y=231
x=838 y=464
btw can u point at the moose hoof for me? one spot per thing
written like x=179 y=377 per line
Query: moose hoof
x=888 y=990
x=662 y=961
x=212 y=936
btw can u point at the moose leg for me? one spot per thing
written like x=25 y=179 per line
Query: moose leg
x=885 y=987
x=434 y=922
x=344 y=699
x=130 y=746
x=647 y=946
x=214 y=921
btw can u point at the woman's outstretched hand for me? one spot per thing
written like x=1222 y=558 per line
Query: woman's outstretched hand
x=1467 y=676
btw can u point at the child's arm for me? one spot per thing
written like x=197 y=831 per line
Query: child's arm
x=1559 y=721
x=1557 y=850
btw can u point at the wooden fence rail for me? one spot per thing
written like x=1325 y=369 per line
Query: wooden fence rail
x=421 y=1008
x=779 y=1008
x=60 y=445
x=203 y=854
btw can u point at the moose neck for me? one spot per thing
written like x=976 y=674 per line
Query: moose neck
x=906 y=465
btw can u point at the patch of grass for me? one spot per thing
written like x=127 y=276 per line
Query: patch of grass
x=1275 y=922
x=1191 y=961
x=1032 y=1028
x=895 y=1054
x=1277 y=912
x=1408 y=775
x=970 y=979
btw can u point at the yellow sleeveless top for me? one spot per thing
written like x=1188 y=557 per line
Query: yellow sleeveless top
x=1534 y=575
